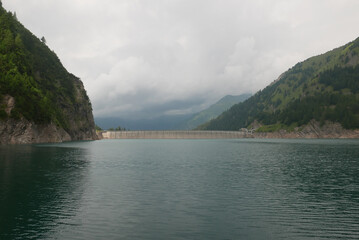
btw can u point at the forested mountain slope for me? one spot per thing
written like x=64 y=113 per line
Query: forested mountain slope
x=39 y=100
x=213 y=111
x=324 y=89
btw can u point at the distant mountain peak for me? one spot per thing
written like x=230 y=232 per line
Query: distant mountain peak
x=214 y=110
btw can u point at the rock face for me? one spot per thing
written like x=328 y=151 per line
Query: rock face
x=79 y=115
x=312 y=130
x=22 y=131
x=40 y=101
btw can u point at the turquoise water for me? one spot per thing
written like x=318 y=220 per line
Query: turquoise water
x=181 y=189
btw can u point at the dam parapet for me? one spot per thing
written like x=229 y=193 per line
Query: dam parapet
x=174 y=134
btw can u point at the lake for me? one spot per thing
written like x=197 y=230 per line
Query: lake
x=181 y=189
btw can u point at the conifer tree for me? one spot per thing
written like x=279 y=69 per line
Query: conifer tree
x=43 y=40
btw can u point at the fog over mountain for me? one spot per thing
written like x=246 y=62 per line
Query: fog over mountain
x=145 y=59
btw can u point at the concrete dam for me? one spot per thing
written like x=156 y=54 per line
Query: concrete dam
x=173 y=134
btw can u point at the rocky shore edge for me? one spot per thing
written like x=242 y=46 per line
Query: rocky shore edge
x=313 y=130
x=25 y=132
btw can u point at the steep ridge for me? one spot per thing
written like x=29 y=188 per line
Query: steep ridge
x=323 y=89
x=39 y=100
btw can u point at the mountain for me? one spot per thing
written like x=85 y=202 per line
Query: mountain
x=323 y=89
x=213 y=111
x=170 y=122
x=39 y=100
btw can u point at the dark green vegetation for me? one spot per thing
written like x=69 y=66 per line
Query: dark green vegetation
x=33 y=75
x=213 y=111
x=323 y=88
x=116 y=129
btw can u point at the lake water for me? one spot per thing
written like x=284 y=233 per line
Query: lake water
x=181 y=189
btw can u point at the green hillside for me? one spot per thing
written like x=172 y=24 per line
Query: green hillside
x=43 y=90
x=214 y=110
x=323 y=88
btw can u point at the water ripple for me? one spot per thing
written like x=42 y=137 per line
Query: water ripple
x=181 y=189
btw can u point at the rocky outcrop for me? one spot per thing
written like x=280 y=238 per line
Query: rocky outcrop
x=312 y=130
x=22 y=132
x=78 y=116
x=99 y=135
x=40 y=101
x=9 y=103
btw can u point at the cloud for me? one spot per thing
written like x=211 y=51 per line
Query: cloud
x=141 y=58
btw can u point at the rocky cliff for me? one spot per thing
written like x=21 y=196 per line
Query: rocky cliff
x=39 y=100
x=79 y=116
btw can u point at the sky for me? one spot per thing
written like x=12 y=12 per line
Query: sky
x=144 y=59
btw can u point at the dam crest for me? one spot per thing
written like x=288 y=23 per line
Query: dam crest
x=173 y=134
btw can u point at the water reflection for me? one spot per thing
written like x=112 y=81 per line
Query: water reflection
x=40 y=187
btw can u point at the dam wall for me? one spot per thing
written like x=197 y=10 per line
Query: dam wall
x=173 y=134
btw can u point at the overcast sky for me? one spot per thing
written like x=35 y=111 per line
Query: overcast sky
x=151 y=57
